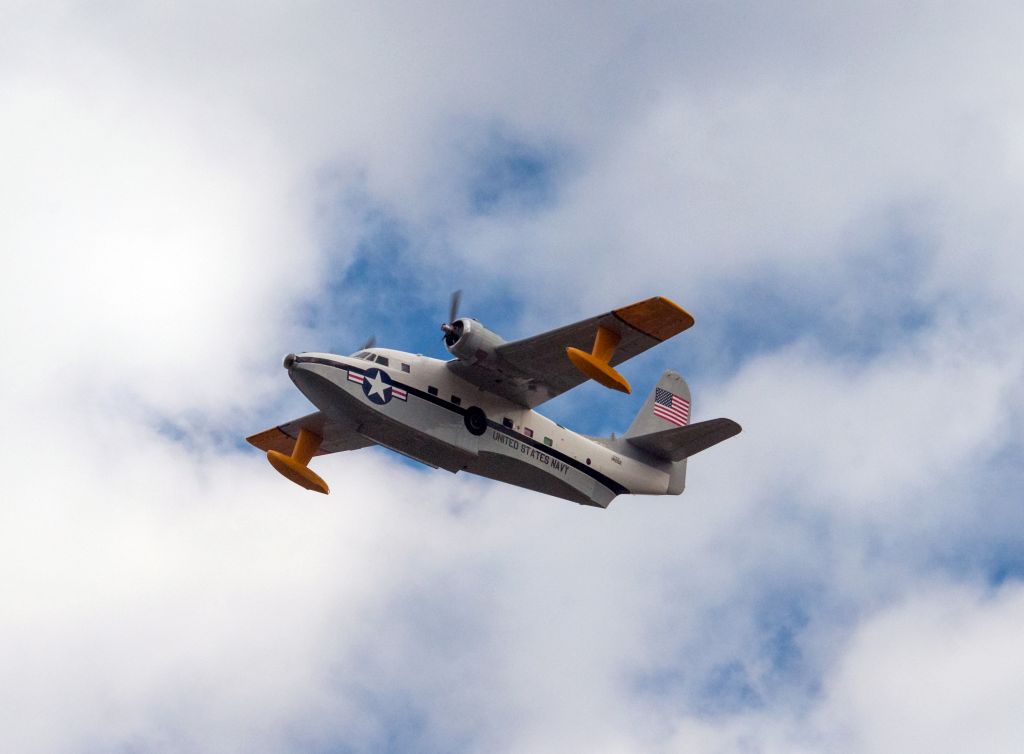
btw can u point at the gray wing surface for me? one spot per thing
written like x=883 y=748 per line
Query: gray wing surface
x=337 y=437
x=536 y=369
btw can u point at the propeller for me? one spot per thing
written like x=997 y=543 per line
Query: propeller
x=370 y=343
x=453 y=305
x=452 y=329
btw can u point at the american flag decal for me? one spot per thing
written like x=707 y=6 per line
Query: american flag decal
x=355 y=377
x=671 y=407
x=397 y=392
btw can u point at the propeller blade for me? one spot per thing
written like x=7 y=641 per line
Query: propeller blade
x=370 y=343
x=453 y=307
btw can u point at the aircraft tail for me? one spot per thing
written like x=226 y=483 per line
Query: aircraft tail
x=663 y=428
x=668 y=405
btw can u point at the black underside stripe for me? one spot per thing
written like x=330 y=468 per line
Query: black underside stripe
x=590 y=471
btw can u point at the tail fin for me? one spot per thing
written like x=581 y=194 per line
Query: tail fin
x=667 y=406
x=663 y=429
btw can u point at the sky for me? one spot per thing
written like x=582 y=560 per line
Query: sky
x=833 y=190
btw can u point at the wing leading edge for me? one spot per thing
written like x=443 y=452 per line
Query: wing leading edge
x=536 y=369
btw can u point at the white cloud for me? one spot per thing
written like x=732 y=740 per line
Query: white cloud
x=939 y=671
x=862 y=433
x=146 y=242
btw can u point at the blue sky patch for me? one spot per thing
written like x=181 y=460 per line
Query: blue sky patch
x=511 y=174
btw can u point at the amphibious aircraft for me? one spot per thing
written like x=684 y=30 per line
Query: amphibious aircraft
x=475 y=412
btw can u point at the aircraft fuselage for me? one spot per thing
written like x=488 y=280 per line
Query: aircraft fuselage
x=416 y=406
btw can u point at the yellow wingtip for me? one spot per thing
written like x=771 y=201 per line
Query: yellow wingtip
x=657 y=317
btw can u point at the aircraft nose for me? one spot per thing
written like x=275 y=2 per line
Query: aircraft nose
x=289 y=360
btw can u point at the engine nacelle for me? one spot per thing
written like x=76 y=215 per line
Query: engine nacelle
x=470 y=341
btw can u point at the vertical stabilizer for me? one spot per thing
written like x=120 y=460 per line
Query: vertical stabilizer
x=663 y=430
x=667 y=406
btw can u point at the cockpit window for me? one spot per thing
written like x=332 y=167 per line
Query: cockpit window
x=361 y=355
x=371 y=357
x=382 y=361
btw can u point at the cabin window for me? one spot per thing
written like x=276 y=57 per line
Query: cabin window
x=382 y=361
x=456 y=400
x=547 y=441
x=406 y=367
x=507 y=422
x=527 y=431
x=431 y=389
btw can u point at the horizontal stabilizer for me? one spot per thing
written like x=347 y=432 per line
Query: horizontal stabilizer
x=682 y=442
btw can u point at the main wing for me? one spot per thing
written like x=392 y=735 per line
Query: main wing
x=336 y=437
x=536 y=369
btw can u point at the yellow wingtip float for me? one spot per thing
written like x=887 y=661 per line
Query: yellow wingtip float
x=595 y=364
x=295 y=467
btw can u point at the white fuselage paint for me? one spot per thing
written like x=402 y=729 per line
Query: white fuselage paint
x=431 y=428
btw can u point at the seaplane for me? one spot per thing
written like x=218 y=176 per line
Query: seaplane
x=476 y=412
